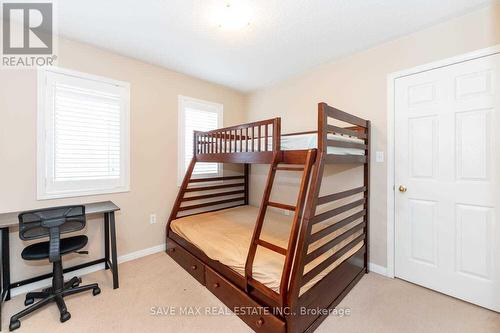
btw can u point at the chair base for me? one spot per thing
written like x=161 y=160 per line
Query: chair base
x=49 y=295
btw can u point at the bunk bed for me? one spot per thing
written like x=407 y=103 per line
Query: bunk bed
x=275 y=271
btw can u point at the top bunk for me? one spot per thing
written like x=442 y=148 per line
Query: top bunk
x=262 y=141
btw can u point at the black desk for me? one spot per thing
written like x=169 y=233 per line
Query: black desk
x=9 y=220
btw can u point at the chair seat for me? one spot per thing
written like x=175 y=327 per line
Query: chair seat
x=40 y=251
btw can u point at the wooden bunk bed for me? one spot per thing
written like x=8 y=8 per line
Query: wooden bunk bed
x=321 y=260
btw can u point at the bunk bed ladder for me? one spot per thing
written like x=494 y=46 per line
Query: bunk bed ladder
x=297 y=209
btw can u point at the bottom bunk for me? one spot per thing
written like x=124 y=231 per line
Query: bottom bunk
x=213 y=248
x=225 y=236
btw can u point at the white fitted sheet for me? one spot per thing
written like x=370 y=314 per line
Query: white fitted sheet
x=225 y=236
x=310 y=141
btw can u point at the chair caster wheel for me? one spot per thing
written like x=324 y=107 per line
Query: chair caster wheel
x=14 y=325
x=65 y=316
x=96 y=291
x=29 y=301
x=77 y=283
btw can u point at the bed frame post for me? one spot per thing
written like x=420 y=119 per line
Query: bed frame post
x=277 y=134
x=322 y=122
x=366 y=180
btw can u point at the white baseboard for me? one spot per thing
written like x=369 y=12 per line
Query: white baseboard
x=141 y=253
x=377 y=269
x=87 y=270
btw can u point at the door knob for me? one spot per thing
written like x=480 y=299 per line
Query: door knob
x=402 y=188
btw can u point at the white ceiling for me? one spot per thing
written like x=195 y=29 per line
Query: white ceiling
x=284 y=38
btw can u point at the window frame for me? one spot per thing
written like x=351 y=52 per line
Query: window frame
x=183 y=101
x=44 y=190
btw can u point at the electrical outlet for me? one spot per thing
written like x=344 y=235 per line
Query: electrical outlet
x=152 y=218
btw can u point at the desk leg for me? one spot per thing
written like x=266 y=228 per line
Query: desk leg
x=5 y=264
x=5 y=280
x=106 y=241
x=113 y=249
x=5 y=284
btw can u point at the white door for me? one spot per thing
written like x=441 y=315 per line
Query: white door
x=447 y=136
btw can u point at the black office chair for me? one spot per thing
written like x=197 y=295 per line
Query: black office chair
x=52 y=223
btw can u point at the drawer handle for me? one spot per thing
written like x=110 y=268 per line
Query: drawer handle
x=216 y=285
x=172 y=249
x=194 y=267
x=260 y=322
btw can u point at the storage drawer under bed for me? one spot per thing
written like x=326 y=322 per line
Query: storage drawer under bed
x=189 y=262
x=251 y=312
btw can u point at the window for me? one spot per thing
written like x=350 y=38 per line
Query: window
x=196 y=115
x=83 y=134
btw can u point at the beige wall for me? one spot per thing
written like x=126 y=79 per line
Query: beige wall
x=358 y=84
x=154 y=93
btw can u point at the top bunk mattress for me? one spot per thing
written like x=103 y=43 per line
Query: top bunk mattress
x=225 y=236
x=310 y=141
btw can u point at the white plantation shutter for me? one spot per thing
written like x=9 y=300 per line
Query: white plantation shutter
x=197 y=115
x=85 y=135
x=198 y=120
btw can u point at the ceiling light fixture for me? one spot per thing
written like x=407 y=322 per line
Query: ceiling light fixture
x=233 y=16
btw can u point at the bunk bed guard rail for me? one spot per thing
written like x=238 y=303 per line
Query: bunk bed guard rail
x=253 y=142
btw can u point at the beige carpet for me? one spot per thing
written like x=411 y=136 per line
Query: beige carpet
x=376 y=304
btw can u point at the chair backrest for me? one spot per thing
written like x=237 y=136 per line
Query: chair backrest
x=37 y=223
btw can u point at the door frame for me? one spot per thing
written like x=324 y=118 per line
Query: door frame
x=391 y=84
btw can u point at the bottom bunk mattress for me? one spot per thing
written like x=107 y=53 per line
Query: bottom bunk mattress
x=225 y=236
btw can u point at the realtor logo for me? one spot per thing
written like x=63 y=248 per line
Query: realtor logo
x=27 y=34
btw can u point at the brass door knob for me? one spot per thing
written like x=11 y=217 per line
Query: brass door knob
x=402 y=188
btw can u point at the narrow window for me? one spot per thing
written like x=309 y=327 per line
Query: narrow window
x=197 y=115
